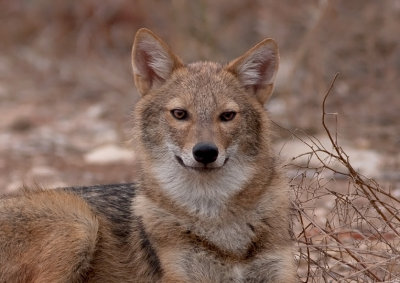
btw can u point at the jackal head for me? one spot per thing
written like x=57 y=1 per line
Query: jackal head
x=202 y=125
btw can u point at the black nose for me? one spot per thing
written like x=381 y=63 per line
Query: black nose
x=205 y=152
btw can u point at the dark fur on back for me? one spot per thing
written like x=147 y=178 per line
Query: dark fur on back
x=114 y=202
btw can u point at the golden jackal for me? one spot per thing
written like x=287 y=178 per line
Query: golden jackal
x=210 y=204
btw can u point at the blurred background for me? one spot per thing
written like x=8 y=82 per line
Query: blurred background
x=66 y=89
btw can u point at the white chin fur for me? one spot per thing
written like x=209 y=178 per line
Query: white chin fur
x=201 y=193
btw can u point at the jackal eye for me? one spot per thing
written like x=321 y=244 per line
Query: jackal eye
x=179 y=114
x=227 y=116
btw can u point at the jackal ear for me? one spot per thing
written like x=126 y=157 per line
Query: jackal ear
x=257 y=68
x=152 y=61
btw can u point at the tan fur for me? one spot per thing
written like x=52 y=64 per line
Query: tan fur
x=46 y=236
x=185 y=220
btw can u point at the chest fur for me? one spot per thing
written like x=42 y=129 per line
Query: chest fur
x=226 y=236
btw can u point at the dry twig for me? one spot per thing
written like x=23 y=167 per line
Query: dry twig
x=357 y=239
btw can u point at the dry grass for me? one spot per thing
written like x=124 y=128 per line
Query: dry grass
x=347 y=226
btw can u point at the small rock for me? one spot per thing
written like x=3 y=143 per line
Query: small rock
x=14 y=186
x=277 y=107
x=42 y=171
x=54 y=184
x=367 y=162
x=299 y=153
x=95 y=111
x=109 y=154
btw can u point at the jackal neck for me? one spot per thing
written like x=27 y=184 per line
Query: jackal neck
x=208 y=195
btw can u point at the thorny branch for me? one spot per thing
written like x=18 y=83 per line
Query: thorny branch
x=360 y=239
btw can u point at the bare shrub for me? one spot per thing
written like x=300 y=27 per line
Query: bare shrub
x=347 y=226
